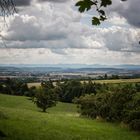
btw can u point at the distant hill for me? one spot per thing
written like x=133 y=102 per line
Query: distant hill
x=70 y=68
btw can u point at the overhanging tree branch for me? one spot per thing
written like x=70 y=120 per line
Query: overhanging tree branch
x=7 y=7
x=98 y=5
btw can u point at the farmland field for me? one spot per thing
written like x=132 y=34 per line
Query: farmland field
x=100 y=81
x=34 y=84
x=20 y=119
x=118 y=81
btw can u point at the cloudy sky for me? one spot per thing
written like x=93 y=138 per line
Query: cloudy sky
x=54 y=32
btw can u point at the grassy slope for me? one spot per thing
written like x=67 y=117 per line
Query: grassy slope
x=23 y=121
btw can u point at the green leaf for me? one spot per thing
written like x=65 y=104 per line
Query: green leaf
x=102 y=12
x=85 y=5
x=102 y=18
x=95 y=21
x=106 y=2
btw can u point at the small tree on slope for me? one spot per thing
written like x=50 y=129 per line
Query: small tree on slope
x=45 y=98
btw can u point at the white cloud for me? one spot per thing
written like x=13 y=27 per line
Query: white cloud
x=117 y=20
x=51 y=32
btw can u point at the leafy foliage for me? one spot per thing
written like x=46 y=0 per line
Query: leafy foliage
x=14 y=87
x=45 y=96
x=105 y=3
x=135 y=124
x=96 y=21
x=85 y=5
x=119 y=104
x=69 y=90
x=99 y=5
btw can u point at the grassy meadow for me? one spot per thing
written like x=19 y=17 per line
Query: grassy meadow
x=20 y=119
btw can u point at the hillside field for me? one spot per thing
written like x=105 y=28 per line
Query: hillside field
x=20 y=119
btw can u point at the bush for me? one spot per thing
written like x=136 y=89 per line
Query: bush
x=135 y=124
x=122 y=104
x=87 y=106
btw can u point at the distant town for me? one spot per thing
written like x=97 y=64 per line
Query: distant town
x=58 y=72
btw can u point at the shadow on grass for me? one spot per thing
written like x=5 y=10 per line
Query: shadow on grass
x=2 y=115
x=2 y=134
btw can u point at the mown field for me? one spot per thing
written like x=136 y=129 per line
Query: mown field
x=34 y=84
x=20 y=119
x=100 y=81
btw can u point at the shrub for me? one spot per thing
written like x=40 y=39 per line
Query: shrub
x=135 y=124
x=122 y=104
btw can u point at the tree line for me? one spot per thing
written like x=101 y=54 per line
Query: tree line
x=117 y=104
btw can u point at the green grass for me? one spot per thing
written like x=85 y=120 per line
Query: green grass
x=21 y=120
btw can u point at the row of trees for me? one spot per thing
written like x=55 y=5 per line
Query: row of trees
x=68 y=90
x=118 y=104
x=47 y=95
x=14 y=87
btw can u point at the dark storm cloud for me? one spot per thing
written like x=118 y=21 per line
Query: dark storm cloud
x=22 y=2
x=129 y=9
x=132 y=13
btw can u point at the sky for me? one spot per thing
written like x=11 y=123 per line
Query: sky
x=54 y=32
